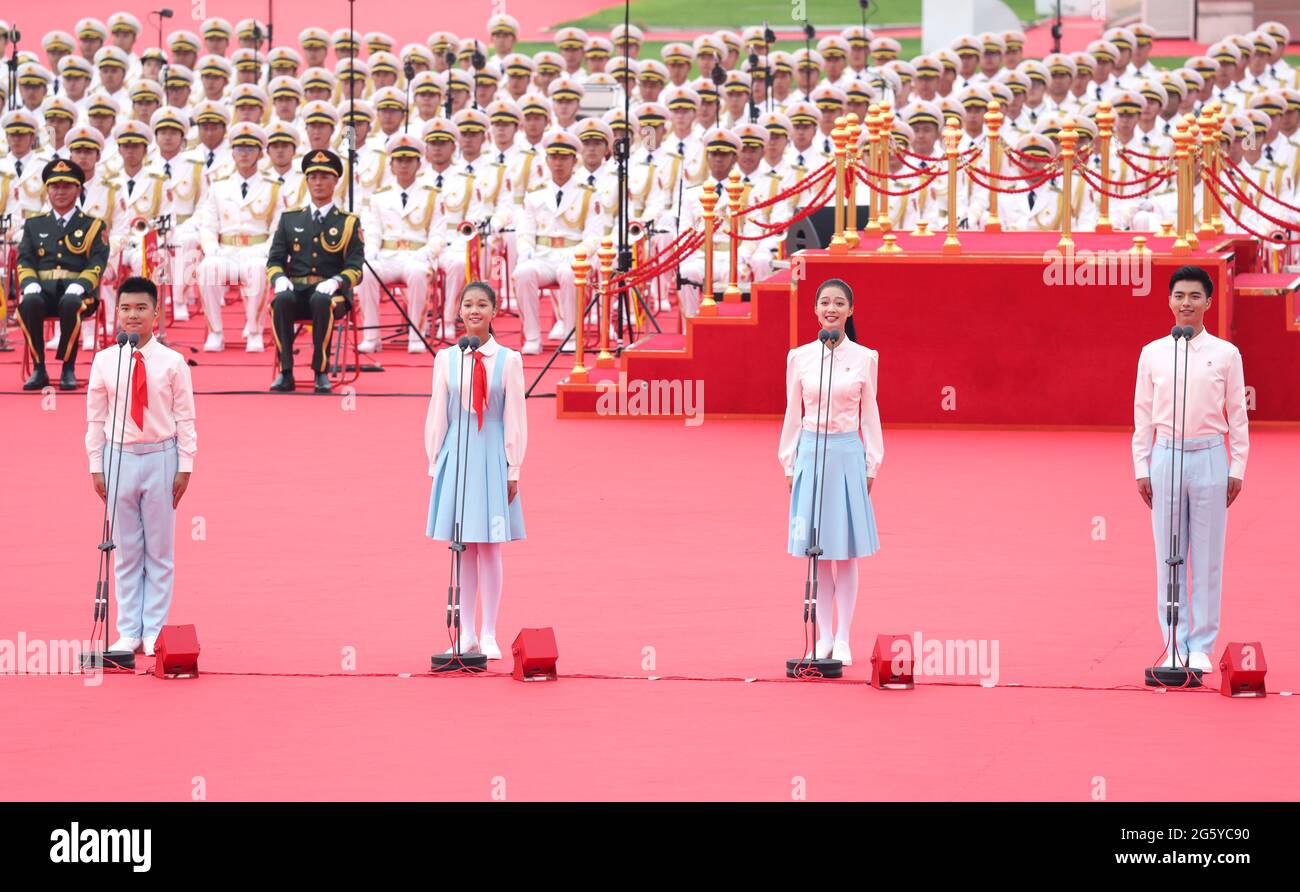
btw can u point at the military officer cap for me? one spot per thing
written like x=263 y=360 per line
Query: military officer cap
x=518 y=65
x=1035 y=145
x=426 y=82
x=503 y=24
x=922 y=112
x=1152 y=92
x=706 y=89
x=1002 y=91
x=1121 y=37
x=350 y=68
x=488 y=75
x=58 y=107
x=317 y=78
x=599 y=48
x=1192 y=80
x=322 y=161
x=753 y=37
x=802 y=112
x=84 y=137
x=1013 y=39
x=1126 y=102
x=34 y=74
x=856 y=35
x=74 y=66
x=281 y=131
x=1271 y=103
x=459 y=80
x=102 y=104
x=753 y=135
x=1085 y=126
x=1259 y=120
x=91 y=28
x=651 y=114
x=123 y=23
x=948 y=59
x=389 y=97
x=952 y=110
x=133 y=131
x=571 y=38
x=709 y=44
x=471 y=120
x=503 y=111
x=250 y=29
x=246 y=134
x=1035 y=70
x=168 y=118
x=314 y=39
x=466 y=49
x=966 y=45
x=213 y=65
x=416 y=52
x=283 y=86
x=564 y=87
x=183 y=42
x=653 y=70
x=833 y=47
x=177 y=76
x=992 y=43
x=246 y=59
x=594 y=128
x=346 y=41
x=737 y=82
x=1015 y=79
x=616 y=120
x=974 y=96
x=859 y=90
x=680 y=97
x=355 y=110
x=775 y=123
x=442 y=41
x=209 y=112
x=719 y=139
x=629 y=36
x=403 y=145
x=534 y=103
x=900 y=130
x=379 y=42
x=440 y=130
x=730 y=40
x=553 y=63
x=384 y=62
x=1059 y=63
x=828 y=98
x=111 y=56
x=1203 y=65
x=677 y=53
x=1103 y=51
x=19 y=121
x=927 y=66
x=154 y=54
x=60 y=170
x=59 y=42
x=249 y=94
x=905 y=71
x=806 y=59
x=781 y=62
x=884 y=48
x=561 y=142
x=1278 y=31
x=217 y=27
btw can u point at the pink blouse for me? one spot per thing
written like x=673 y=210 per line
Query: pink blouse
x=515 y=418
x=851 y=406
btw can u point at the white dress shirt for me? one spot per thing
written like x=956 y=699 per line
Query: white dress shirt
x=1216 y=398
x=170 y=412
x=850 y=407
x=514 y=417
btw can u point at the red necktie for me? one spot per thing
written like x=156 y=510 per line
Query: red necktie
x=139 y=391
x=478 y=394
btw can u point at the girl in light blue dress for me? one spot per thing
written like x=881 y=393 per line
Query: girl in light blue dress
x=488 y=410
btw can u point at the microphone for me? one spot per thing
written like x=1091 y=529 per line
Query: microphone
x=474 y=342
x=718 y=75
x=409 y=70
x=450 y=58
x=823 y=336
x=477 y=59
x=463 y=343
x=769 y=36
x=165 y=13
x=121 y=339
x=134 y=339
x=1189 y=332
x=833 y=335
x=809 y=32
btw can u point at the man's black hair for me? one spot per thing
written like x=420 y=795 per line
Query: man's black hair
x=1192 y=274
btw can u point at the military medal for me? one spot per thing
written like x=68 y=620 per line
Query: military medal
x=77 y=234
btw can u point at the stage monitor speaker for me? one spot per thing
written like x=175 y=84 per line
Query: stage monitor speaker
x=817 y=230
x=1242 y=668
x=535 y=655
x=891 y=668
x=177 y=652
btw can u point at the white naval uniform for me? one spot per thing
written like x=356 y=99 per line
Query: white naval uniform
x=401 y=243
x=234 y=231
x=692 y=268
x=459 y=200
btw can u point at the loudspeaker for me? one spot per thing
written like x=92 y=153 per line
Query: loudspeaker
x=1242 y=668
x=817 y=230
x=891 y=667
x=535 y=655
x=177 y=652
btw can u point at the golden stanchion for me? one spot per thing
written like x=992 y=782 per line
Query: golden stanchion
x=885 y=135
x=1181 y=139
x=993 y=122
x=1069 y=138
x=605 y=359
x=853 y=161
x=839 y=245
x=1139 y=245
x=1193 y=240
x=951 y=136
x=734 y=189
x=922 y=229
x=580 y=269
x=708 y=201
x=1220 y=115
x=1105 y=122
x=1209 y=147
x=873 y=138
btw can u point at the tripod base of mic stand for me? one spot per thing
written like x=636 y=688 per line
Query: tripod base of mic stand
x=449 y=662
x=810 y=668
x=108 y=661
x=1173 y=677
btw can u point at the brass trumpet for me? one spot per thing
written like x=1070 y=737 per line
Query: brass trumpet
x=636 y=230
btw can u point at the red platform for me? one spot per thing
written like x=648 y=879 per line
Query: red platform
x=986 y=337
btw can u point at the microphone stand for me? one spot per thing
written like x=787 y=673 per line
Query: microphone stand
x=6 y=281
x=102 y=658
x=1177 y=675
x=14 y=36
x=810 y=666
x=454 y=660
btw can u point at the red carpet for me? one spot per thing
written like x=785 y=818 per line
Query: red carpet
x=640 y=536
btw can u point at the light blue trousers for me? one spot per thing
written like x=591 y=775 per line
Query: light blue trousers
x=144 y=533
x=1202 y=528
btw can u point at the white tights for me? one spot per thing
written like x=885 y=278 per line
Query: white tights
x=480 y=573
x=842 y=588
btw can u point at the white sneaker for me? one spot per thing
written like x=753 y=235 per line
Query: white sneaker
x=467 y=645
x=823 y=650
x=149 y=642
x=215 y=343
x=557 y=331
x=842 y=653
x=53 y=343
x=126 y=643
x=488 y=644
x=569 y=345
x=1198 y=660
x=531 y=348
x=87 y=337
x=247 y=331
x=414 y=345
x=180 y=311
x=1175 y=659
x=254 y=344
x=368 y=346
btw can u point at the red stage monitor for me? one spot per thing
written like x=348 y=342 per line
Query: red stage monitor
x=177 y=652
x=1242 y=668
x=891 y=666
x=535 y=655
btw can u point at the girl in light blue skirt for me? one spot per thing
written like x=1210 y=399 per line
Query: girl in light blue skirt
x=488 y=410
x=853 y=448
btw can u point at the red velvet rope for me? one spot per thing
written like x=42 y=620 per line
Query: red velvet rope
x=1232 y=190
x=1134 y=154
x=1032 y=186
x=1258 y=188
x=1146 y=174
x=808 y=182
x=820 y=201
x=929 y=178
x=1096 y=185
x=1163 y=174
x=1247 y=229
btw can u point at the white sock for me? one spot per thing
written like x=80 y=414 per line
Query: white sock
x=825 y=597
x=490 y=578
x=468 y=590
x=846 y=597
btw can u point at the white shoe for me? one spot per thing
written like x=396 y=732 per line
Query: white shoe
x=254 y=344
x=569 y=345
x=488 y=644
x=531 y=348
x=215 y=343
x=1198 y=660
x=557 y=331
x=842 y=653
x=467 y=646
x=1175 y=660
x=126 y=643
x=87 y=337
x=247 y=331
x=368 y=346
x=149 y=642
x=823 y=650
x=180 y=312
x=53 y=343
x=414 y=345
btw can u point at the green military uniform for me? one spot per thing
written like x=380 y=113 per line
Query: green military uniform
x=309 y=251
x=53 y=256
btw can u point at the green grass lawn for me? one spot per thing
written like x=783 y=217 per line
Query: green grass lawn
x=690 y=15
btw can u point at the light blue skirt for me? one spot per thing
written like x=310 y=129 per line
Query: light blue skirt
x=489 y=515
x=848 y=525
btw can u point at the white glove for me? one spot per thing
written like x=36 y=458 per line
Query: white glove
x=75 y=288
x=328 y=286
x=282 y=284
x=32 y=288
